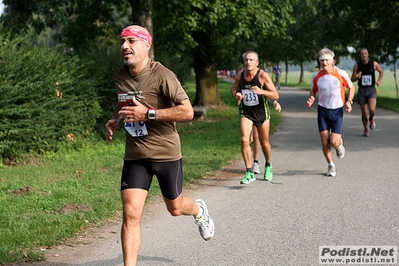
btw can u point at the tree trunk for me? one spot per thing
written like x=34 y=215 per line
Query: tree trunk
x=396 y=82
x=302 y=75
x=142 y=16
x=207 y=90
x=286 y=71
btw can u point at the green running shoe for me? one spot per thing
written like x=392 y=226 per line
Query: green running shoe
x=248 y=178
x=268 y=173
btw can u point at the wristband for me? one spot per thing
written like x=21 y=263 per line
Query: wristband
x=151 y=114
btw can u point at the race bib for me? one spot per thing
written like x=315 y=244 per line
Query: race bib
x=250 y=98
x=367 y=80
x=136 y=129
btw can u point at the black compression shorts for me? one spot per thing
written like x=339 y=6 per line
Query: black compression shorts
x=139 y=174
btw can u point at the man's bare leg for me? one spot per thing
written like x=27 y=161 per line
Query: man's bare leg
x=256 y=144
x=182 y=205
x=133 y=204
x=363 y=108
x=263 y=132
x=246 y=131
x=372 y=106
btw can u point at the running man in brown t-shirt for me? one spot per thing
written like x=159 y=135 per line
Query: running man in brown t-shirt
x=151 y=101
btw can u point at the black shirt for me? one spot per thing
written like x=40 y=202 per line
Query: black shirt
x=253 y=106
x=368 y=74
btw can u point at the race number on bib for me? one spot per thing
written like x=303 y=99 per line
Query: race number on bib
x=367 y=80
x=250 y=98
x=136 y=129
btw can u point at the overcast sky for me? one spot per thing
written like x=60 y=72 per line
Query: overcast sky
x=1 y=7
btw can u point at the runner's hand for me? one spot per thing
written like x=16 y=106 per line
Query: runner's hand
x=134 y=113
x=348 y=106
x=277 y=106
x=310 y=101
x=110 y=128
x=238 y=96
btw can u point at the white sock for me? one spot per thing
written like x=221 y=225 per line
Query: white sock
x=200 y=213
x=331 y=164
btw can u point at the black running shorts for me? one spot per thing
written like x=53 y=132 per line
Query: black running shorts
x=139 y=174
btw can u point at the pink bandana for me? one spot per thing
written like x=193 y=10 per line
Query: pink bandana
x=136 y=33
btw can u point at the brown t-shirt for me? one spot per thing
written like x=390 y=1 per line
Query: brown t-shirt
x=161 y=89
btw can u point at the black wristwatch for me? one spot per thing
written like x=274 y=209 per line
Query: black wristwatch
x=151 y=114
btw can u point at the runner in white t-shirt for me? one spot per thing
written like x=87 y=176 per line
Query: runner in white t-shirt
x=329 y=85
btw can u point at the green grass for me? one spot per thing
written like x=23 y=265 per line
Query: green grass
x=33 y=219
x=90 y=179
x=387 y=93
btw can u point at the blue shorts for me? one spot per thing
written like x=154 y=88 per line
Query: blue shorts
x=330 y=119
x=366 y=93
x=139 y=173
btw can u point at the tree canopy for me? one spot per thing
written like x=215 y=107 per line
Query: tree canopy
x=214 y=32
x=209 y=31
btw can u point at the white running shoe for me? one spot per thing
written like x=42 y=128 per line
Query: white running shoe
x=341 y=150
x=372 y=124
x=255 y=168
x=205 y=224
x=331 y=170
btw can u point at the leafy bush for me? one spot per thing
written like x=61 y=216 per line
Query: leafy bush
x=47 y=98
x=103 y=62
x=180 y=65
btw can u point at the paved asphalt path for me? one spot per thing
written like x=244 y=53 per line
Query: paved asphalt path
x=282 y=222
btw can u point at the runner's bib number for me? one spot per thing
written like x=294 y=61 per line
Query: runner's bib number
x=136 y=129
x=250 y=98
x=367 y=80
